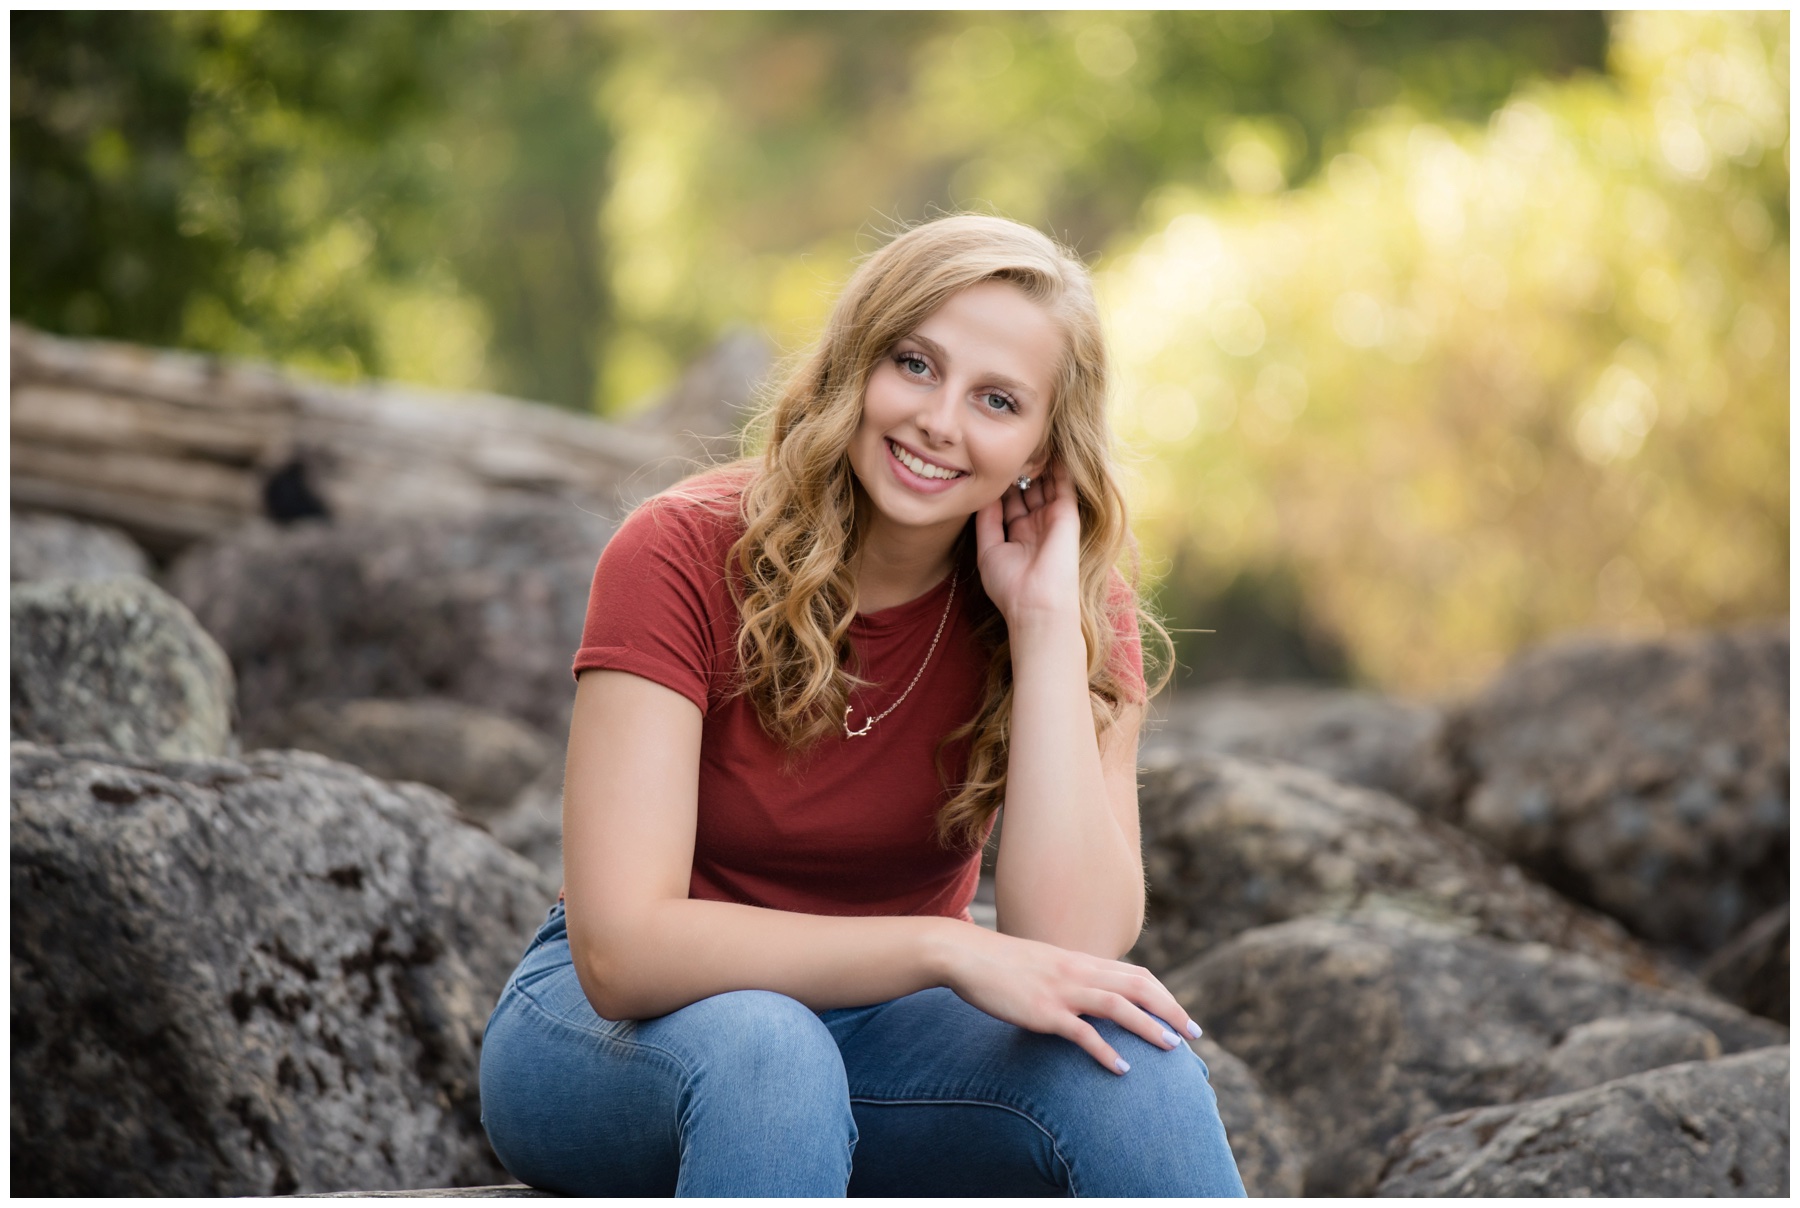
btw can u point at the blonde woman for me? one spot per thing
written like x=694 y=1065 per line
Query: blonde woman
x=808 y=683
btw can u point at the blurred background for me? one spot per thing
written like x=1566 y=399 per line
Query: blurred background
x=1437 y=333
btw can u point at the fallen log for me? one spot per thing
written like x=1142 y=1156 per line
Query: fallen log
x=176 y=447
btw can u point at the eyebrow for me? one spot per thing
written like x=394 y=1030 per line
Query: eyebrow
x=999 y=379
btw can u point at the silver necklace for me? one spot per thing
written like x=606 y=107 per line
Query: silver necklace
x=870 y=724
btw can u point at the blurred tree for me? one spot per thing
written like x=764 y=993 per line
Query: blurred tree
x=99 y=123
x=409 y=194
x=821 y=129
x=1478 y=385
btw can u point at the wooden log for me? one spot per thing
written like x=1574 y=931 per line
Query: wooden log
x=70 y=416
x=176 y=447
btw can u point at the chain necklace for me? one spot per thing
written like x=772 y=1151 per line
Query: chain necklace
x=870 y=724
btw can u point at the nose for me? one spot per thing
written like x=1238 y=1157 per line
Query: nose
x=937 y=417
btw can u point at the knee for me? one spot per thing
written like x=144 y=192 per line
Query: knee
x=758 y=1037
x=1172 y=1082
x=1153 y=1131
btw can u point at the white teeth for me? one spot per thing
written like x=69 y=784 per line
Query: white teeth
x=923 y=469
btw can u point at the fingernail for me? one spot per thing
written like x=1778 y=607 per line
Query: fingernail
x=1122 y=1065
x=1193 y=1029
x=1170 y=1039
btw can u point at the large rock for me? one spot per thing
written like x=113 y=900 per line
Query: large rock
x=1364 y=1029
x=532 y=824
x=1647 y=778
x=46 y=545
x=481 y=758
x=1752 y=970
x=486 y=610
x=117 y=662
x=1620 y=1045
x=712 y=398
x=245 y=978
x=1362 y=738
x=1268 y=1154
x=1708 y=1128
x=1231 y=844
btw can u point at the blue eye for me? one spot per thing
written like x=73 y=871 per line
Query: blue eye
x=1005 y=403
x=912 y=363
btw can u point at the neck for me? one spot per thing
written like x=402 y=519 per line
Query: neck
x=893 y=567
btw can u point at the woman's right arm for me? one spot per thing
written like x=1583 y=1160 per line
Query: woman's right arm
x=643 y=948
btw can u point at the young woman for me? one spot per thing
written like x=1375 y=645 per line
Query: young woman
x=806 y=685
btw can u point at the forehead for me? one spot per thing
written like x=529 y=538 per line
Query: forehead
x=992 y=327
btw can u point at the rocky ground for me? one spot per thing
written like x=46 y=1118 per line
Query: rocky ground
x=285 y=810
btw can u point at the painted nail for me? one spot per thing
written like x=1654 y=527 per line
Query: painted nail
x=1170 y=1039
x=1122 y=1065
x=1193 y=1029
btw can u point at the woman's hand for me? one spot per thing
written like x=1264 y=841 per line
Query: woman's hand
x=1043 y=988
x=1028 y=548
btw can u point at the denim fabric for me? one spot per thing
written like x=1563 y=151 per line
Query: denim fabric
x=752 y=1093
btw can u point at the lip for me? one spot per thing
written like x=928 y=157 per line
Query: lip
x=915 y=482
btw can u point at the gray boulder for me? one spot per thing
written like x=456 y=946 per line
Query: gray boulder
x=1364 y=1028
x=1262 y=1138
x=481 y=758
x=1646 y=778
x=1231 y=844
x=483 y=609
x=250 y=977
x=117 y=662
x=1707 y=1128
x=1615 y=1047
x=1752 y=970
x=1363 y=738
x=532 y=824
x=46 y=545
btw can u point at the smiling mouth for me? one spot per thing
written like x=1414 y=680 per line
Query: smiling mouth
x=921 y=467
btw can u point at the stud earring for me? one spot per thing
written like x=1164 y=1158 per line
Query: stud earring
x=1024 y=482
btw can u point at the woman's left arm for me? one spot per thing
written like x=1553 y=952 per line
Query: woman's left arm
x=1069 y=870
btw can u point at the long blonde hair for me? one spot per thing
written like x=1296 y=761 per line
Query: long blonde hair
x=794 y=586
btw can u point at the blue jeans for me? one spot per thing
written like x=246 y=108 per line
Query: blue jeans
x=753 y=1093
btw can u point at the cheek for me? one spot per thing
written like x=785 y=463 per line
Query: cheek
x=877 y=409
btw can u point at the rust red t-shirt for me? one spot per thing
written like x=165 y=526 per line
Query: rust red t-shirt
x=847 y=826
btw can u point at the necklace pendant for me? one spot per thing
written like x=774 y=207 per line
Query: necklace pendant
x=930 y=650
x=866 y=727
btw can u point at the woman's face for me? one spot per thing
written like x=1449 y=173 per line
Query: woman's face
x=959 y=408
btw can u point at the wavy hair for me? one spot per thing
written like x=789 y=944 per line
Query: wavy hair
x=804 y=511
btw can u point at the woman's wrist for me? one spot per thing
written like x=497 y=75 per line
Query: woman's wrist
x=1041 y=629
x=947 y=947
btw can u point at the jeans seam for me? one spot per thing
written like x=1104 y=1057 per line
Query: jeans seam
x=674 y=1059
x=1055 y=1148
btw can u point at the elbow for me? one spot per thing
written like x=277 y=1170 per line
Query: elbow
x=1111 y=943
x=604 y=997
x=605 y=980
x=1108 y=940
x=1130 y=940
x=1116 y=941
x=1107 y=929
x=601 y=987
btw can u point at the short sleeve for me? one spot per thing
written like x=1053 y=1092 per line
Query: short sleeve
x=651 y=608
x=1127 y=661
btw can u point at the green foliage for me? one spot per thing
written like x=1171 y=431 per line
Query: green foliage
x=405 y=194
x=1477 y=385
x=823 y=131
